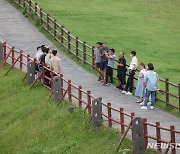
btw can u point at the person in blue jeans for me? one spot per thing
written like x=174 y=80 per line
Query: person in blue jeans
x=150 y=82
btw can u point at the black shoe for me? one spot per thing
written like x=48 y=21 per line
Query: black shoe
x=99 y=79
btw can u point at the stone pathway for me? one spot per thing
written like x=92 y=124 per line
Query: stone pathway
x=18 y=32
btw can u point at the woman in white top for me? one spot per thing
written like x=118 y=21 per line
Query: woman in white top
x=140 y=89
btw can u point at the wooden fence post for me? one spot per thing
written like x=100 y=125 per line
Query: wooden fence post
x=109 y=114
x=122 y=120
x=69 y=91
x=89 y=101
x=77 y=46
x=61 y=77
x=41 y=20
x=145 y=131
x=35 y=8
x=62 y=34
x=80 y=96
x=84 y=52
x=167 y=91
x=24 y=4
x=173 y=140
x=30 y=3
x=47 y=20
x=55 y=25
x=43 y=74
x=12 y=55
x=28 y=58
x=21 y=60
x=52 y=75
x=69 y=40
x=158 y=136
x=132 y=116
x=4 y=49
x=93 y=60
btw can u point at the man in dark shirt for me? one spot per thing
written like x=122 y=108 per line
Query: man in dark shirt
x=121 y=71
x=103 y=60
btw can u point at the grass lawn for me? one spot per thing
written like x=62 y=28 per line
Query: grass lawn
x=150 y=27
x=31 y=123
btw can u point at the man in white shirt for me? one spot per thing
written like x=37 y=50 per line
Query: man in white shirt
x=55 y=62
x=48 y=57
x=132 y=69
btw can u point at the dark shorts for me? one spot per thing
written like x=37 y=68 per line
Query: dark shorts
x=122 y=78
x=98 y=65
x=103 y=65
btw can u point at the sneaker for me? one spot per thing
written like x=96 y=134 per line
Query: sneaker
x=123 y=92
x=144 y=107
x=151 y=107
x=128 y=93
x=106 y=84
x=149 y=103
x=142 y=103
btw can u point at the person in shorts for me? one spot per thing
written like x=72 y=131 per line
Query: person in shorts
x=103 y=61
x=98 y=59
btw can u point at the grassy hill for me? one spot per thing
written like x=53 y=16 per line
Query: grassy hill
x=150 y=27
x=30 y=123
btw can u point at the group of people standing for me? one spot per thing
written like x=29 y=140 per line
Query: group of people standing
x=44 y=56
x=147 y=79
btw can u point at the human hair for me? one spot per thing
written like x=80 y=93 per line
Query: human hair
x=54 y=52
x=42 y=46
x=113 y=50
x=38 y=47
x=143 y=65
x=100 y=43
x=46 y=50
x=150 y=66
x=43 y=49
x=133 y=53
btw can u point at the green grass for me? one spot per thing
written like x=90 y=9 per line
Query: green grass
x=31 y=123
x=150 y=27
x=160 y=105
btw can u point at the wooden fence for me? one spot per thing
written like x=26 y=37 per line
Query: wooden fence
x=84 y=98
x=169 y=93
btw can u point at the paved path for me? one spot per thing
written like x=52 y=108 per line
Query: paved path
x=18 y=32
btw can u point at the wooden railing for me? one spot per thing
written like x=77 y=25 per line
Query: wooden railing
x=169 y=93
x=84 y=98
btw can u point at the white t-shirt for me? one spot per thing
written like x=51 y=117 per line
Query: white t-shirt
x=38 y=55
x=134 y=61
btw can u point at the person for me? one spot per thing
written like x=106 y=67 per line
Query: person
x=55 y=62
x=47 y=62
x=150 y=82
x=37 y=57
x=109 y=71
x=39 y=53
x=103 y=60
x=140 y=89
x=48 y=57
x=132 y=69
x=98 y=59
x=121 y=71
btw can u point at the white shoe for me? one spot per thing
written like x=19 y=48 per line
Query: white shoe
x=142 y=103
x=123 y=92
x=151 y=107
x=149 y=103
x=128 y=93
x=144 y=108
